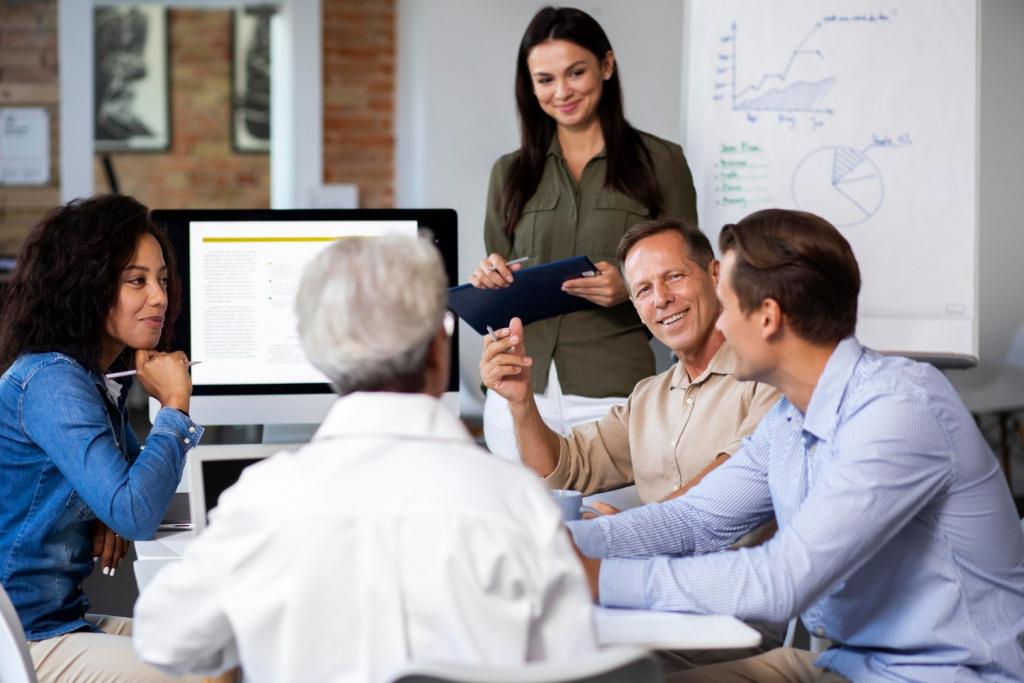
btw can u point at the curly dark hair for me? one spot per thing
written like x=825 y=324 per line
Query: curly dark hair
x=65 y=282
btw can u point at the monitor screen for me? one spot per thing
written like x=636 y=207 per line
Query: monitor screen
x=240 y=271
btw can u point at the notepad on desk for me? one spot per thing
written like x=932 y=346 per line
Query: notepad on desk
x=534 y=294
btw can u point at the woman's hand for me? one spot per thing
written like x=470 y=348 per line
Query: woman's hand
x=107 y=547
x=492 y=273
x=504 y=366
x=604 y=289
x=165 y=377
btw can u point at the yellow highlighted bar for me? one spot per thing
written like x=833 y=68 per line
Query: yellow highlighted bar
x=277 y=239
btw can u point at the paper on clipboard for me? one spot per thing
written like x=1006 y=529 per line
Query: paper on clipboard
x=535 y=293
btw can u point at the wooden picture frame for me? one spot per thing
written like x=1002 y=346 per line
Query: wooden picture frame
x=250 y=79
x=131 y=74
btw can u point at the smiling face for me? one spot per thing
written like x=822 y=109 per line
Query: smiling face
x=674 y=296
x=568 y=81
x=137 y=318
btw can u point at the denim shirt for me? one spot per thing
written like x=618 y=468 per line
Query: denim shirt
x=67 y=457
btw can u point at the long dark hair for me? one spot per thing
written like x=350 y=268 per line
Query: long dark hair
x=66 y=279
x=630 y=169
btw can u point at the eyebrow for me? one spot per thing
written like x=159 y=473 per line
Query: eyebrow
x=568 y=68
x=142 y=268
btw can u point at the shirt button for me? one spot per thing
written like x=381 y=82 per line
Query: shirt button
x=191 y=430
x=820 y=632
x=673 y=443
x=689 y=401
x=187 y=441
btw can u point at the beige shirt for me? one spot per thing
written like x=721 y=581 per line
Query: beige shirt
x=668 y=431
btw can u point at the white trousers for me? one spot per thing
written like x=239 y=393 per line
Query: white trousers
x=561 y=412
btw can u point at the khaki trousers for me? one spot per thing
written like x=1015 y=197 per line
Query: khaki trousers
x=106 y=657
x=783 y=665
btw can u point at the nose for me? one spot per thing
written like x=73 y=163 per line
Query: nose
x=157 y=296
x=662 y=295
x=563 y=90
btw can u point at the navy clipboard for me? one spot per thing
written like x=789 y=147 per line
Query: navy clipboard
x=535 y=293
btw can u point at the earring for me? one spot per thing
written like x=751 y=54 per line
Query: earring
x=607 y=77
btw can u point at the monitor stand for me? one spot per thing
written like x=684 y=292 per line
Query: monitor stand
x=289 y=433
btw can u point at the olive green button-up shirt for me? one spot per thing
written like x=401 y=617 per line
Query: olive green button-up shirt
x=598 y=352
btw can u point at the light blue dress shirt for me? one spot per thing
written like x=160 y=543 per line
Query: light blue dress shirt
x=898 y=538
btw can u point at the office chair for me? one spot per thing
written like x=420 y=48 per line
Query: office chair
x=15 y=663
x=621 y=664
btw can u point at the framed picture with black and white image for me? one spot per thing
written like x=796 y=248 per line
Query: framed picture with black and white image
x=131 y=79
x=250 y=77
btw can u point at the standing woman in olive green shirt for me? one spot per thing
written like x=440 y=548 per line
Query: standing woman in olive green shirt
x=580 y=179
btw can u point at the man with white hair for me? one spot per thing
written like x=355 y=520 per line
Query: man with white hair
x=390 y=537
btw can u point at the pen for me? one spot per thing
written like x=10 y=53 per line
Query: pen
x=490 y=331
x=510 y=263
x=126 y=373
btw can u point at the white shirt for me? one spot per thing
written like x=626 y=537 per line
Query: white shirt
x=390 y=538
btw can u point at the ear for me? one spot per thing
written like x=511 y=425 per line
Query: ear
x=770 y=318
x=608 y=65
x=715 y=271
x=437 y=364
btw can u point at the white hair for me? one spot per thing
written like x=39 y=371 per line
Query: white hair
x=368 y=309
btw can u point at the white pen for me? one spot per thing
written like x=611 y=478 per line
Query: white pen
x=509 y=263
x=490 y=331
x=126 y=373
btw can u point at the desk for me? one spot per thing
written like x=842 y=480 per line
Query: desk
x=646 y=628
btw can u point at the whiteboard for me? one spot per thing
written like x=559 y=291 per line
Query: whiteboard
x=864 y=113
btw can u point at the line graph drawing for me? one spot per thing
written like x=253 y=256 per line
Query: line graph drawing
x=799 y=96
x=801 y=86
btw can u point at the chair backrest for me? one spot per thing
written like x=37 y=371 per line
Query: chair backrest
x=622 y=664
x=15 y=663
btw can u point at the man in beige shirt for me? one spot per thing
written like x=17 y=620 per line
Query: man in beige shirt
x=675 y=427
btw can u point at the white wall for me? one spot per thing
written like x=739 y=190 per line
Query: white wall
x=456 y=105
x=1001 y=252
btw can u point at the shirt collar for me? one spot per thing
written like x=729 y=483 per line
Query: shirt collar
x=722 y=363
x=414 y=416
x=823 y=410
x=555 y=148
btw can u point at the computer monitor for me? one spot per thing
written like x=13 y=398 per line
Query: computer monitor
x=240 y=271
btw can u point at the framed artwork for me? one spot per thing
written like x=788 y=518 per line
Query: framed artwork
x=131 y=79
x=250 y=78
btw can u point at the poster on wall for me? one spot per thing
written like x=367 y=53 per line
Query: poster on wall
x=250 y=120
x=131 y=79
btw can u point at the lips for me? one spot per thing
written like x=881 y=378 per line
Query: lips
x=156 y=322
x=566 y=108
x=672 y=318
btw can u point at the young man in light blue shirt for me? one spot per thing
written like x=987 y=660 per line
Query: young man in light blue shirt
x=898 y=538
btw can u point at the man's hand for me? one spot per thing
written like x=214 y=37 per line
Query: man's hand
x=605 y=289
x=504 y=366
x=604 y=508
x=591 y=567
x=107 y=546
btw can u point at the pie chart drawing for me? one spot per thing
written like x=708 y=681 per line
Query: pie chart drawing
x=840 y=184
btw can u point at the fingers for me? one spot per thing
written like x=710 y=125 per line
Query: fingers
x=605 y=508
x=99 y=530
x=493 y=273
x=108 y=556
x=605 y=289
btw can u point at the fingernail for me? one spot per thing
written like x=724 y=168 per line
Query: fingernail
x=508 y=279
x=106 y=570
x=96 y=559
x=514 y=339
x=112 y=571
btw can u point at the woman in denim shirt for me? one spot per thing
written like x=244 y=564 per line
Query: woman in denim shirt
x=95 y=290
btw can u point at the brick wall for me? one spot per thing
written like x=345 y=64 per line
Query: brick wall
x=359 y=93
x=201 y=170
x=28 y=78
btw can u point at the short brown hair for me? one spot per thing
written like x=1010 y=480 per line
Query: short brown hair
x=697 y=242
x=802 y=262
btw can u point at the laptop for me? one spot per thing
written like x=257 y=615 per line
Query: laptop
x=214 y=469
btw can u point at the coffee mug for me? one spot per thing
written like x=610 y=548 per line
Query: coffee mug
x=571 y=503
